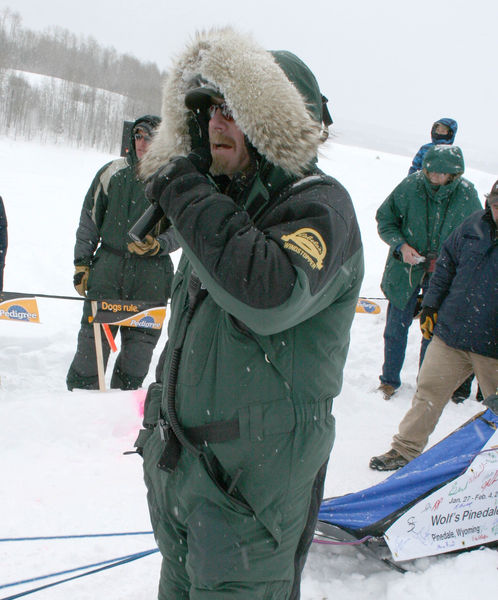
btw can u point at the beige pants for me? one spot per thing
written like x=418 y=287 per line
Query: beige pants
x=443 y=370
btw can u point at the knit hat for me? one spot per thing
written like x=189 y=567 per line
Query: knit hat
x=147 y=124
x=143 y=126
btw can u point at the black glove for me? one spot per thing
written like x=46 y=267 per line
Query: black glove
x=196 y=163
x=428 y=318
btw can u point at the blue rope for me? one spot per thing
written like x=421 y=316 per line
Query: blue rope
x=68 y=537
x=114 y=563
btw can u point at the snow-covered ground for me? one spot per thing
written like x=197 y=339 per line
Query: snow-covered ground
x=62 y=468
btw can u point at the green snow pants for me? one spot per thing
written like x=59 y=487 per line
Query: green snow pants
x=212 y=542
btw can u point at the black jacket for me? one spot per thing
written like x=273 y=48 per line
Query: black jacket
x=464 y=287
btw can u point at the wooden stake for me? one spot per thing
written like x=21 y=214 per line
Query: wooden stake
x=98 y=349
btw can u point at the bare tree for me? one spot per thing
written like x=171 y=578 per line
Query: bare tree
x=86 y=94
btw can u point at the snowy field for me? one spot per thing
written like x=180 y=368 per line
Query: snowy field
x=62 y=466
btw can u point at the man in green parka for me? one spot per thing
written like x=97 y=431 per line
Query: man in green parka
x=414 y=221
x=110 y=267
x=239 y=429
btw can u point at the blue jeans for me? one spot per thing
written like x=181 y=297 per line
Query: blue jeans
x=395 y=338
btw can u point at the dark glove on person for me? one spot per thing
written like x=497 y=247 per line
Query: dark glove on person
x=149 y=247
x=196 y=163
x=428 y=318
x=80 y=278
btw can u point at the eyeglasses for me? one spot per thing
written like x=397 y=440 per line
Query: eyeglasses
x=226 y=112
x=140 y=136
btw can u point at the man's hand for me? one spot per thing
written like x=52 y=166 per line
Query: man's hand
x=149 y=247
x=80 y=279
x=196 y=163
x=428 y=318
x=410 y=255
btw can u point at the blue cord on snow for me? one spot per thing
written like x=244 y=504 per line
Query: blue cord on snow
x=114 y=563
x=68 y=537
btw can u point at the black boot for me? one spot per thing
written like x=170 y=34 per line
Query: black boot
x=463 y=392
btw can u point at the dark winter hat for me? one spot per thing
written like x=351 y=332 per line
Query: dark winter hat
x=147 y=123
x=444 y=159
x=201 y=94
x=492 y=197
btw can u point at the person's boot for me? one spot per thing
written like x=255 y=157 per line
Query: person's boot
x=76 y=381
x=387 y=390
x=463 y=392
x=390 y=461
x=124 y=381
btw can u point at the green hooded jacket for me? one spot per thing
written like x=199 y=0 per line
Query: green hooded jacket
x=279 y=254
x=423 y=216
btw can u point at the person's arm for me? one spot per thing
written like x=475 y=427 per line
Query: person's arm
x=301 y=260
x=440 y=283
x=389 y=220
x=93 y=209
x=417 y=160
x=444 y=272
x=168 y=242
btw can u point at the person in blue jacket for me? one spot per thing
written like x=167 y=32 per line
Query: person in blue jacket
x=443 y=131
x=459 y=314
x=3 y=241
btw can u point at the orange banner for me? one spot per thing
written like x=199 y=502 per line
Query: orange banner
x=16 y=308
x=130 y=314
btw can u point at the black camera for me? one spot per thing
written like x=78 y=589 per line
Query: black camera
x=147 y=221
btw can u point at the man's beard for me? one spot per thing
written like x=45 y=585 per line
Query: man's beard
x=219 y=166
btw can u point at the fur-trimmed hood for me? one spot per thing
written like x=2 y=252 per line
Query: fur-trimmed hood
x=274 y=97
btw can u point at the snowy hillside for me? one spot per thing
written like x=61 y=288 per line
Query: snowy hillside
x=62 y=466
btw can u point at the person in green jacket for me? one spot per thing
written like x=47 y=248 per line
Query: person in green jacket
x=238 y=429
x=108 y=266
x=414 y=221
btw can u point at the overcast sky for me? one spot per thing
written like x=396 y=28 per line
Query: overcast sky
x=391 y=64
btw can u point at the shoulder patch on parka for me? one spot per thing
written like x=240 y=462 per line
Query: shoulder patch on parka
x=309 y=244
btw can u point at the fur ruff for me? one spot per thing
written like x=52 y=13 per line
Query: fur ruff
x=266 y=105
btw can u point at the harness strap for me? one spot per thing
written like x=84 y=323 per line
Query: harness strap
x=114 y=250
x=214 y=433
x=124 y=253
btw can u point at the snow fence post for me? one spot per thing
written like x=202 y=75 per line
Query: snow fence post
x=98 y=348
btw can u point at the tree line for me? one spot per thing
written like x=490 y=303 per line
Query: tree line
x=81 y=93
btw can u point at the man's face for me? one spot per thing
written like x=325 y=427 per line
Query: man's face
x=142 y=141
x=228 y=148
x=438 y=178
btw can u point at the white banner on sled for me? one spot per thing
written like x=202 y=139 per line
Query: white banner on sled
x=461 y=514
